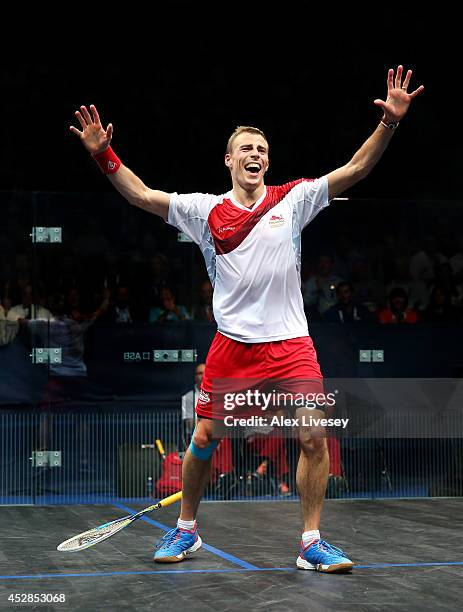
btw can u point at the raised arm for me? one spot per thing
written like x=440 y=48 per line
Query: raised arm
x=97 y=141
x=394 y=109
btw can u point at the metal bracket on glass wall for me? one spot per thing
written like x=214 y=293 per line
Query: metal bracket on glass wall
x=371 y=355
x=180 y=355
x=46 y=459
x=46 y=355
x=46 y=234
x=181 y=237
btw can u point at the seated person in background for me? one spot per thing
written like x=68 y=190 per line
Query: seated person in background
x=398 y=311
x=189 y=403
x=417 y=290
x=424 y=262
x=169 y=310
x=8 y=329
x=440 y=309
x=203 y=311
x=346 y=310
x=271 y=449
x=319 y=291
x=445 y=280
x=69 y=378
x=5 y=299
x=123 y=309
x=366 y=290
x=73 y=308
x=344 y=256
x=29 y=308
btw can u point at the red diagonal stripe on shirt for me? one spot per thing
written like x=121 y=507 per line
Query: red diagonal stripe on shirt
x=227 y=215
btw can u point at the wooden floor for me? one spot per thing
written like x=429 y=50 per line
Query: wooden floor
x=409 y=556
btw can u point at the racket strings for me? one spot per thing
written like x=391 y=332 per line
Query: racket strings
x=93 y=535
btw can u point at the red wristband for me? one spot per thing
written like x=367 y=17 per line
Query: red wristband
x=108 y=161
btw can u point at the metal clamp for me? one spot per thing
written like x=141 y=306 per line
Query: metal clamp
x=371 y=355
x=46 y=234
x=46 y=459
x=46 y=355
x=175 y=356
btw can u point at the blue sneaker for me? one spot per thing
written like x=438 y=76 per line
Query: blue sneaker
x=176 y=545
x=322 y=557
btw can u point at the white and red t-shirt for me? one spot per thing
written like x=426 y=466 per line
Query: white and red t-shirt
x=253 y=256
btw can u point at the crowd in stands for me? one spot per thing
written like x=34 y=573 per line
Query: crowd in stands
x=425 y=288
x=120 y=269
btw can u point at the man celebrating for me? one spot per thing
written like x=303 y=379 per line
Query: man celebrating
x=250 y=238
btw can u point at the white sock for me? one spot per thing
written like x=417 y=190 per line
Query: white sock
x=190 y=525
x=310 y=536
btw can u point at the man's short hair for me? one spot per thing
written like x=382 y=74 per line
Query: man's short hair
x=239 y=130
x=342 y=284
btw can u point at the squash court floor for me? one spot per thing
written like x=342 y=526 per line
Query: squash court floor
x=408 y=555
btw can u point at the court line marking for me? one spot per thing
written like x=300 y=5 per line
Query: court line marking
x=214 y=571
x=233 y=570
x=208 y=547
x=421 y=564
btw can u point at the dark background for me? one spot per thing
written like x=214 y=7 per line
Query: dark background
x=177 y=93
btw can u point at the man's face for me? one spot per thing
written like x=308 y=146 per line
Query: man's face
x=199 y=373
x=344 y=294
x=248 y=160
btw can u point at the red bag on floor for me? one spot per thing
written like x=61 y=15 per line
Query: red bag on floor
x=171 y=476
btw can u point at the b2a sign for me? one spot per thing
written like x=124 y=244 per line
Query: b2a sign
x=137 y=356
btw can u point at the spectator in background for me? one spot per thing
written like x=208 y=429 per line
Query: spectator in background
x=123 y=309
x=5 y=299
x=157 y=278
x=203 y=311
x=29 y=308
x=424 y=262
x=416 y=289
x=346 y=310
x=440 y=309
x=189 y=402
x=69 y=378
x=367 y=291
x=344 y=256
x=446 y=281
x=169 y=310
x=398 y=311
x=8 y=329
x=320 y=290
x=73 y=307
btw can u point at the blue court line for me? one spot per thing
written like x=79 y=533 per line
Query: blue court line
x=213 y=571
x=428 y=564
x=149 y=573
x=212 y=549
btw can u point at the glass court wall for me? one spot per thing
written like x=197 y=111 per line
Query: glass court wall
x=106 y=313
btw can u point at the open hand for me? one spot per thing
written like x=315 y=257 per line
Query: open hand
x=93 y=136
x=398 y=99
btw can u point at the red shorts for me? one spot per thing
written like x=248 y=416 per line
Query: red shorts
x=282 y=360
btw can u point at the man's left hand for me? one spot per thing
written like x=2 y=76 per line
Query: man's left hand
x=398 y=99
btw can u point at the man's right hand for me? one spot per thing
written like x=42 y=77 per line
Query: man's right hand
x=96 y=140
x=93 y=136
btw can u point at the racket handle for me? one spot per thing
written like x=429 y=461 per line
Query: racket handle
x=160 y=448
x=171 y=499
